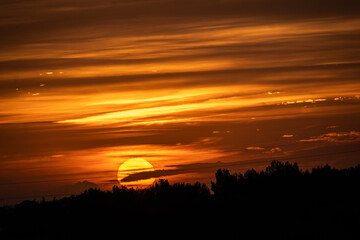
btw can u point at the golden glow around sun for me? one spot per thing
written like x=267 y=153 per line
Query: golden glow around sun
x=132 y=166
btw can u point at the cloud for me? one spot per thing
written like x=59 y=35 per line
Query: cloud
x=274 y=150
x=70 y=22
x=255 y=148
x=176 y=169
x=337 y=137
x=287 y=135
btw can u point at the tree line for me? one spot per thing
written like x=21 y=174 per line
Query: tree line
x=281 y=201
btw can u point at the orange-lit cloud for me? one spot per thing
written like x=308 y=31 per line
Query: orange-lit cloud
x=340 y=137
x=287 y=135
x=255 y=148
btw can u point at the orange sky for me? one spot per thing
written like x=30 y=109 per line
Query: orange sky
x=189 y=86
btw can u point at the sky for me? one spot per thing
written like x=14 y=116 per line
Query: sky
x=187 y=86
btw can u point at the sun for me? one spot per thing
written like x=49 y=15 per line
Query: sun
x=135 y=165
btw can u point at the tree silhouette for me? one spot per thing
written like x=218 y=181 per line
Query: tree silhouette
x=281 y=202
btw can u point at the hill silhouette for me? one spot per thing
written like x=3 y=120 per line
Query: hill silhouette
x=281 y=202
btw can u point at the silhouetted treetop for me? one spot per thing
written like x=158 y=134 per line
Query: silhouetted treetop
x=281 y=169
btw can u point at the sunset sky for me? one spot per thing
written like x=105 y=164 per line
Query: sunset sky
x=188 y=86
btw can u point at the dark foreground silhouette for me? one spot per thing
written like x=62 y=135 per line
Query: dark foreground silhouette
x=280 y=202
